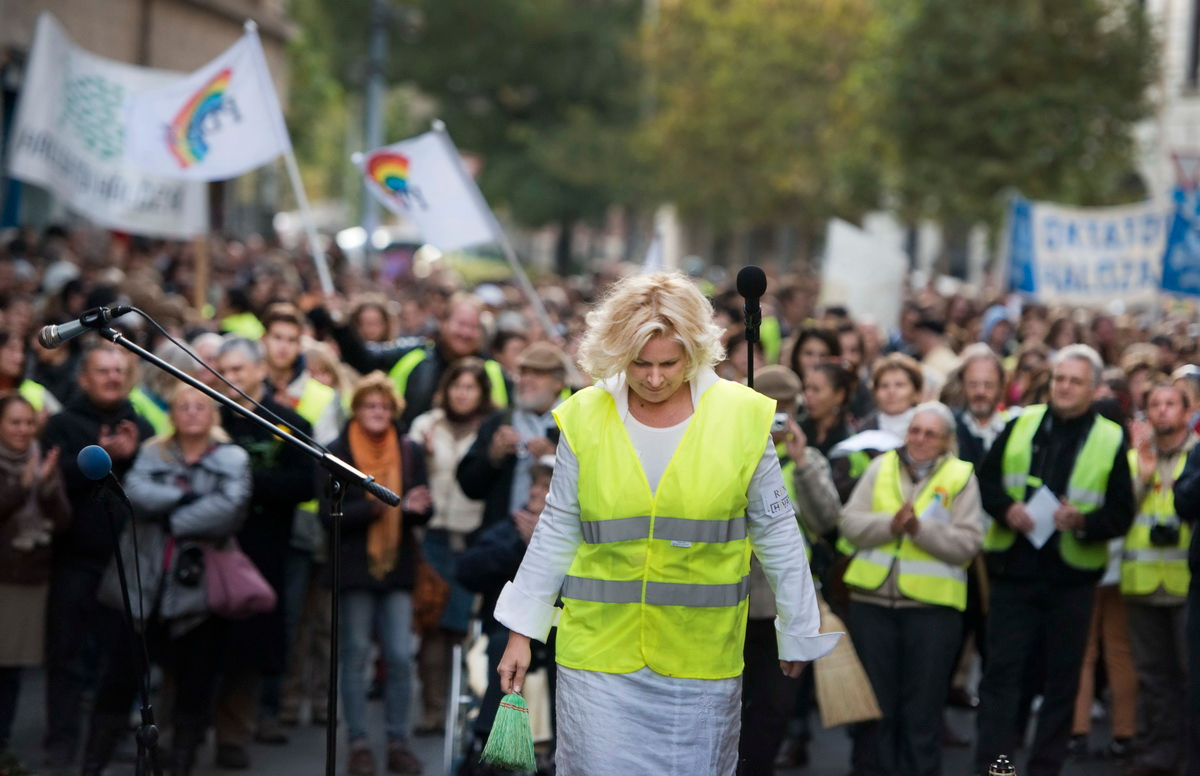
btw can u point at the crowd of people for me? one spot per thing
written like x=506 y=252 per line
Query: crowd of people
x=1023 y=504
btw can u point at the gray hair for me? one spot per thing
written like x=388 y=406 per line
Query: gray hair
x=1081 y=353
x=980 y=351
x=252 y=349
x=944 y=414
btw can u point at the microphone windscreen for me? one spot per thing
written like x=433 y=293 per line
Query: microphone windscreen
x=94 y=462
x=751 y=282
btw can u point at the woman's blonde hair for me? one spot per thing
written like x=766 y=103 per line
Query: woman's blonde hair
x=642 y=307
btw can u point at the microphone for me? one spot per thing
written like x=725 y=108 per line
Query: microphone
x=96 y=464
x=54 y=335
x=752 y=284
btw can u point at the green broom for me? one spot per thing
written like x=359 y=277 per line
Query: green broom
x=510 y=744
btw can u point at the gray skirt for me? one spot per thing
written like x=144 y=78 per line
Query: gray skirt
x=23 y=614
x=646 y=723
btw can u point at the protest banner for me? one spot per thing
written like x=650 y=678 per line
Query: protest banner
x=220 y=122
x=1181 y=260
x=1087 y=256
x=69 y=133
x=863 y=272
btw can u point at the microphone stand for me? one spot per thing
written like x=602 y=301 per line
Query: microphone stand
x=147 y=732
x=753 y=320
x=342 y=474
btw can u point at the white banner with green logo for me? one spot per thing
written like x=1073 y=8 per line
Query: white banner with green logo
x=69 y=137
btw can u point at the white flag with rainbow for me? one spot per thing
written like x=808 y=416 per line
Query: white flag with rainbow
x=220 y=122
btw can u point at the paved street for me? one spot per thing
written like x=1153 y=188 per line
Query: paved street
x=305 y=755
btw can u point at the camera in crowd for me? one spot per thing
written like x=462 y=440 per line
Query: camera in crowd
x=1165 y=534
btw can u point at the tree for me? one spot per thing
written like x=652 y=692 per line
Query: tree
x=1035 y=95
x=542 y=89
x=752 y=122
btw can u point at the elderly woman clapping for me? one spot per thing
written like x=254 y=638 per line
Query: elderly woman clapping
x=914 y=518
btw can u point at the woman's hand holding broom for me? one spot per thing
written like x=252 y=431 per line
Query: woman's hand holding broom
x=515 y=663
x=791 y=668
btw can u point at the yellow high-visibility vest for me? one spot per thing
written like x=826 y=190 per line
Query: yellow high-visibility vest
x=1144 y=567
x=1085 y=488
x=662 y=579
x=34 y=393
x=403 y=369
x=158 y=418
x=922 y=577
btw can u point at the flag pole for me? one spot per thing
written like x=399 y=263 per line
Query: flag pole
x=499 y=235
x=293 y=170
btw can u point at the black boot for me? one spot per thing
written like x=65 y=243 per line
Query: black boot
x=102 y=738
x=187 y=738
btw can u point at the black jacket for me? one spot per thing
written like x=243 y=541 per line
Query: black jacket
x=970 y=447
x=87 y=538
x=283 y=478
x=1187 y=504
x=484 y=481
x=1055 y=447
x=358 y=514
x=490 y=563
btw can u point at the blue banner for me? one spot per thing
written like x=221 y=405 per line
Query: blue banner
x=1087 y=256
x=1181 y=260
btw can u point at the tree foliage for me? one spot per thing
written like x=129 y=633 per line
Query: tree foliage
x=540 y=88
x=752 y=121
x=1036 y=95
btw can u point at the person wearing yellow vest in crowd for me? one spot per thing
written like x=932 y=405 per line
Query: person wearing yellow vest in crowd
x=295 y=388
x=1155 y=578
x=239 y=319
x=665 y=479
x=913 y=520
x=1041 y=597
x=12 y=377
x=769 y=704
x=415 y=365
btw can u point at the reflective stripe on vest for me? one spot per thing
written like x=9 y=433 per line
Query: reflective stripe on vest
x=34 y=393
x=920 y=576
x=607 y=591
x=673 y=529
x=1146 y=569
x=661 y=579
x=1085 y=489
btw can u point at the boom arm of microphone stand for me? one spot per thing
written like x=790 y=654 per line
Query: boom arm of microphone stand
x=338 y=468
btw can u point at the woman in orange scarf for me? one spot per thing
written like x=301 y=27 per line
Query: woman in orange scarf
x=379 y=557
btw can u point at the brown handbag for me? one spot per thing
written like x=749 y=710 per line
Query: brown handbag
x=429 y=596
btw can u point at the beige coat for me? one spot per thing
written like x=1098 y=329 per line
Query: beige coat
x=956 y=542
x=452 y=510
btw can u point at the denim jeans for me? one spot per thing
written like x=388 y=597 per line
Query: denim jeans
x=297 y=569
x=388 y=613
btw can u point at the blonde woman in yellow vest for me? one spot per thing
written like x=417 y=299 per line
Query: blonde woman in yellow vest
x=914 y=520
x=1155 y=578
x=665 y=479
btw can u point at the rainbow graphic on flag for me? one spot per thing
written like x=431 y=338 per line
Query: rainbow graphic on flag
x=390 y=170
x=185 y=135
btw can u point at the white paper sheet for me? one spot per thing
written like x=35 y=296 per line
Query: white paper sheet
x=1041 y=508
x=875 y=439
